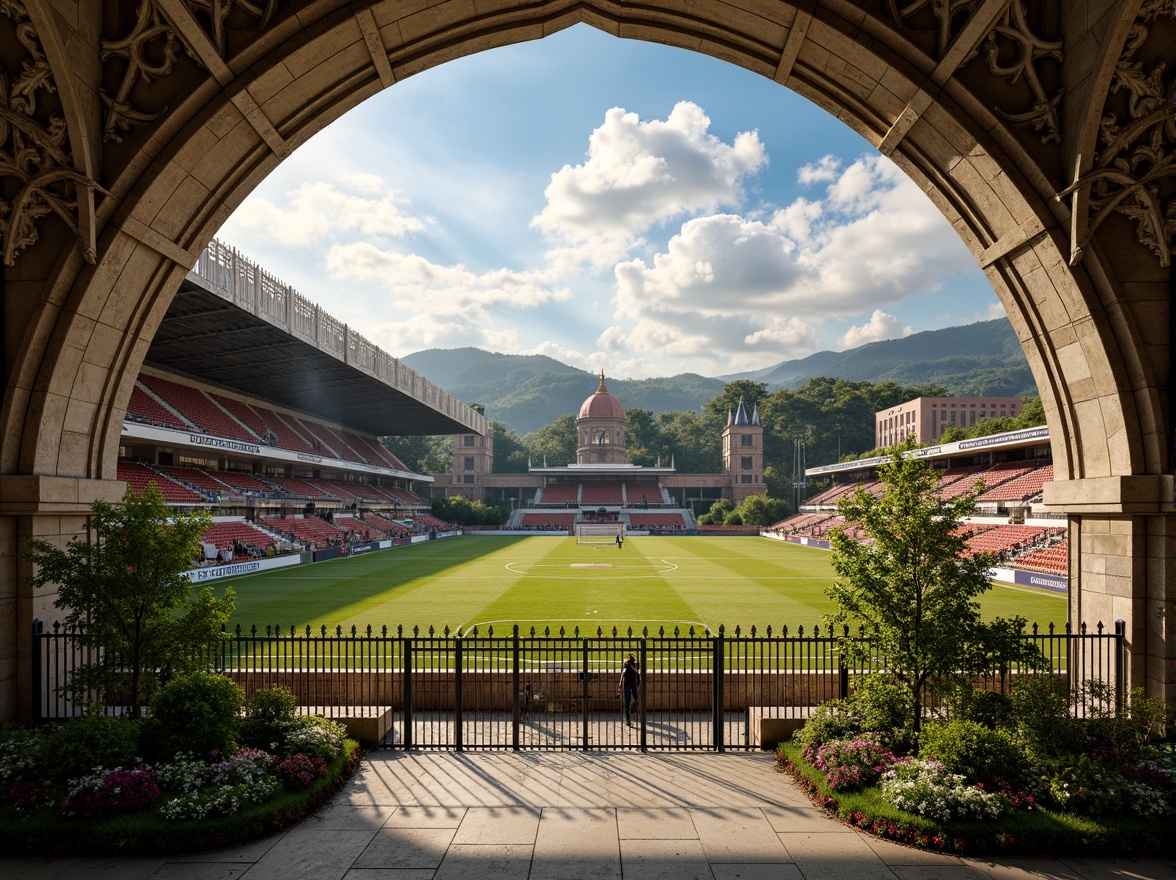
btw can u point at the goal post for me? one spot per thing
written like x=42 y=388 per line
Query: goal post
x=599 y=533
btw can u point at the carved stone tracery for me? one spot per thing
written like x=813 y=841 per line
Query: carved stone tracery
x=1029 y=50
x=1010 y=34
x=946 y=12
x=150 y=49
x=151 y=37
x=37 y=176
x=1136 y=149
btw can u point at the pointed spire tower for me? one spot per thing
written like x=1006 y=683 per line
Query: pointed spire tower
x=743 y=452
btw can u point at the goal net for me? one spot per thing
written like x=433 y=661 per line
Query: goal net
x=598 y=533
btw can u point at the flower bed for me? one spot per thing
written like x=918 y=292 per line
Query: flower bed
x=1037 y=831
x=195 y=805
x=215 y=771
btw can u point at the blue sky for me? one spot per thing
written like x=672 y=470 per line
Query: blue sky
x=614 y=204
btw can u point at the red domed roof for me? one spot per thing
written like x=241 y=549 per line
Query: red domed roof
x=601 y=405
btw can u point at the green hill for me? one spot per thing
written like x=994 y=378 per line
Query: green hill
x=975 y=359
x=527 y=392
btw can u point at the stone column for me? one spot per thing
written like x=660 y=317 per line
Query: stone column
x=53 y=509
x=1123 y=567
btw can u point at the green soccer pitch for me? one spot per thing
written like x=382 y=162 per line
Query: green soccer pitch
x=553 y=582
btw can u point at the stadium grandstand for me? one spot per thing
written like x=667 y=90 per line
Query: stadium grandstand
x=256 y=405
x=602 y=486
x=1012 y=523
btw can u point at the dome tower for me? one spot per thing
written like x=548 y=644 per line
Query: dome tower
x=600 y=429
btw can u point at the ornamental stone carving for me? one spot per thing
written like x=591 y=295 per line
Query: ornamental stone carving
x=1135 y=155
x=149 y=50
x=1010 y=50
x=37 y=177
x=1013 y=34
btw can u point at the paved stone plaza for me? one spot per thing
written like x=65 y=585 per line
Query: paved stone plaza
x=570 y=816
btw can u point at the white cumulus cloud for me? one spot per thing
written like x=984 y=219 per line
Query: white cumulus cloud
x=440 y=305
x=823 y=170
x=732 y=289
x=638 y=174
x=880 y=326
x=420 y=285
x=316 y=210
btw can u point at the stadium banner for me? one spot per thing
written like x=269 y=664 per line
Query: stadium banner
x=247 y=566
x=328 y=553
x=356 y=549
x=1008 y=437
x=384 y=545
x=1056 y=583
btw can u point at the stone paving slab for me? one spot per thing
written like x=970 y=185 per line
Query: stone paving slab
x=742 y=836
x=665 y=860
x=575 y=816
x=577 y=842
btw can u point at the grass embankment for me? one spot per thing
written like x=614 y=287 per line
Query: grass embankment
x=46 y=833
x=1039 y=832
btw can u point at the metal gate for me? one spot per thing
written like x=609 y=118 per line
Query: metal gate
x=700 y=690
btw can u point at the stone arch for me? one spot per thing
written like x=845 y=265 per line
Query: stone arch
x=173 y=184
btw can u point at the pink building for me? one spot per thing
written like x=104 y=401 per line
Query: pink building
x=928 y=417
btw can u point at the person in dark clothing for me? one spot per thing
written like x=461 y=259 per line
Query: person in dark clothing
x=627 y=687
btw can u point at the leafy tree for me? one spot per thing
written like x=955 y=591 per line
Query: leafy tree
x=467 y=512
x=643 y=438
x=694 y=446
x=760 y=510
x=422 y=455
x=718 y=513
x=751 y=393
x=510 y=453
x=126 y=593
x=913 y=587
x=555 y=443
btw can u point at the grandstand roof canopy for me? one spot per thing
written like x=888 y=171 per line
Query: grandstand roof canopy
x=208 y=337
x=1023 y=438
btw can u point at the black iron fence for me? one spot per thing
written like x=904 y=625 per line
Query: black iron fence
x=700 y=690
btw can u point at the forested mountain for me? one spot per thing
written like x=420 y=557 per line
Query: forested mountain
x=976 y=359
x=527 y=392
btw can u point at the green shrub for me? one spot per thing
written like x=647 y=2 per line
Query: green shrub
x=21 y=755
x=990 y=708
x=1088 y=787
x=316 y=737
x=884 y=706
x=1042 y=721
x=268 y=718
x=1123 y=732
x=976 y=752
x=89 y=741
x=194 y=713
x=829 y=721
